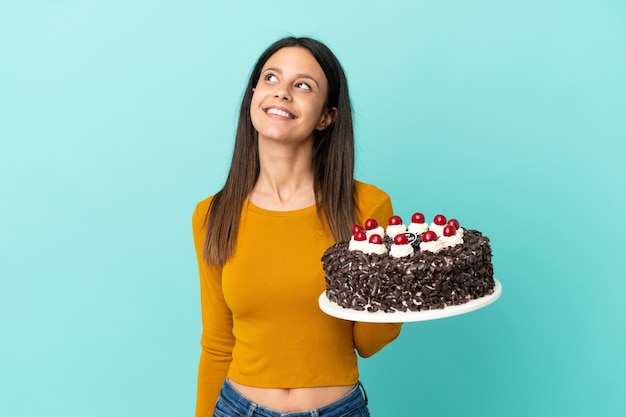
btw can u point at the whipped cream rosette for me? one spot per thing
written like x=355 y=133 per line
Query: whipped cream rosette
x=401 y=247
x=372 y=228
x=452 y=234
x=431 y=242
x=418 y=228
x=439 y=222
x=449 y=241
x=358 y=241
x=418 y=224
x=375 y=245
x=395 y=226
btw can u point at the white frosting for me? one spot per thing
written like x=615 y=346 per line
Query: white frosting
x=449 y=241
x=432 y=246
x=394 y=229
x=418 y=228
x=399 y=251
x=460 y=231
x=378 y=249
x=357 y=244
x=437 y=229
x=378 y=231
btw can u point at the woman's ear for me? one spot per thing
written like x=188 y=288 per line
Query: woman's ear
x=328 y=117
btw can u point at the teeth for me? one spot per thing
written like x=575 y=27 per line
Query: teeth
x=279 y=112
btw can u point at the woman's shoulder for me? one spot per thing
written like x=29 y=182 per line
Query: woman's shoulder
x=201 y=210
x=369 y=192
x=203 y=205
x=371 y=201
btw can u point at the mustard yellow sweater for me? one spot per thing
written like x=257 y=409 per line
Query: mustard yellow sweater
x=261 y=323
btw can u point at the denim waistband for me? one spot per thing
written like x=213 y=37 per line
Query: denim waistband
x=245 y=407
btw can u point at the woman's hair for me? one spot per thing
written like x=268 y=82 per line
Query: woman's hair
x=333 y=159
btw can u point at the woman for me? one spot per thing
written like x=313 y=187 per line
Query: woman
x=289 y=195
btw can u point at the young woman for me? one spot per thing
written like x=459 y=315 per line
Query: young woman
x=267 y=348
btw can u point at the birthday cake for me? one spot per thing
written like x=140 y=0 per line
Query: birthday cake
x=408 y=268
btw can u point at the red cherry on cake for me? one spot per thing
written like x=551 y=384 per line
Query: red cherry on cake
x=440 y=220
x=401 y=239
x=429 y=236
x=356 y=228
x=449 y=230
x=371 y=224
x=360 y=236
x=395 y=220
x=418 y=218
x=376 y=239
x=454 y=222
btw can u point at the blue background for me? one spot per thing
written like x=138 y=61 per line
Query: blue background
x=116 y=117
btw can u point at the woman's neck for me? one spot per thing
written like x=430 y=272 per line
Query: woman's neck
x=285 y=178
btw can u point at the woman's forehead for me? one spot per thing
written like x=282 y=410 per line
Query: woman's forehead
x=295 y=60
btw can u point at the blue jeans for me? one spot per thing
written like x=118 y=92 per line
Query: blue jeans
x=232 y=404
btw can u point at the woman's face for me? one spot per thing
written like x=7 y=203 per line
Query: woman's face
x=288 y=102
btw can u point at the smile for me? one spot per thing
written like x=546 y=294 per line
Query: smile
x=279 y=112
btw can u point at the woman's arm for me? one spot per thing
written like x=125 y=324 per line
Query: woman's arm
x=369 y=338
x=217 y=337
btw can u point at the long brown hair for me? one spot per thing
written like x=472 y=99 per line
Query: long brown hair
x=333 y=159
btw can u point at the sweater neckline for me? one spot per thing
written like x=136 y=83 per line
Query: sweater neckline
x=275 y=213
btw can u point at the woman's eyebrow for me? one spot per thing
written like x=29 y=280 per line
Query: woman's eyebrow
x=309 y=77
x=300 y=75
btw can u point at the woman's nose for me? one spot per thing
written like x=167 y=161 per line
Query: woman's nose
x=282 y=92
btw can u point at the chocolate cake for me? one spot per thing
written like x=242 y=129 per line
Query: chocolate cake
x=423 y=277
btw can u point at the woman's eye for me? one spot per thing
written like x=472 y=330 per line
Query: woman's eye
x=303 y=86
x=271 y=77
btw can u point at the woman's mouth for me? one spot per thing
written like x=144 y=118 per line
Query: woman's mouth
x=279 y=112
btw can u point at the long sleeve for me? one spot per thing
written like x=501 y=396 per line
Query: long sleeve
x=217 y=337
x=370 y=338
